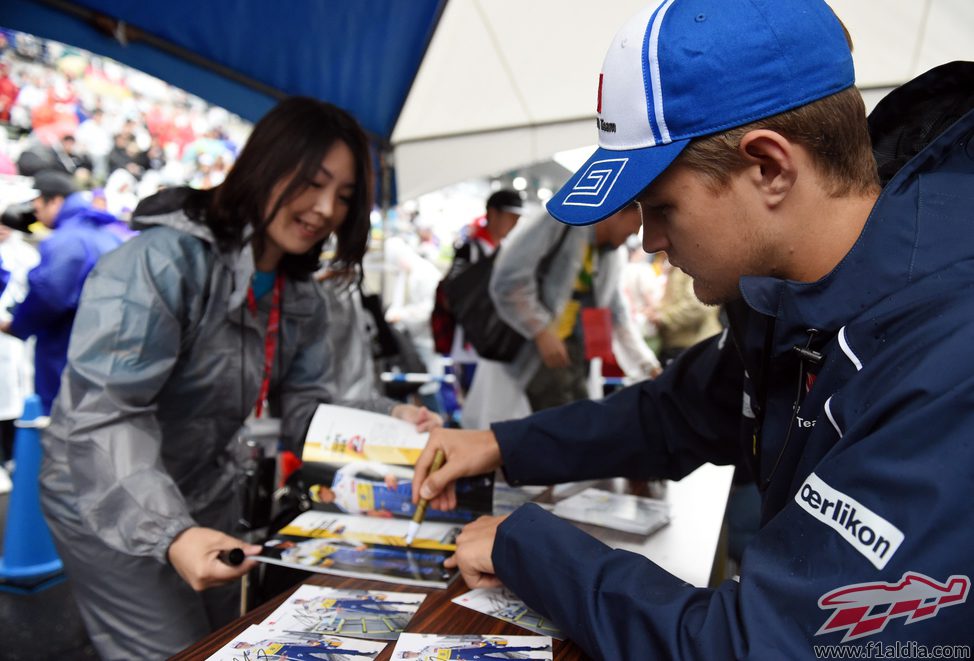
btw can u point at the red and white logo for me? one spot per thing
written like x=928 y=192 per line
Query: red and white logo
x=357 y=443
x=598 y=107
x=864 y=609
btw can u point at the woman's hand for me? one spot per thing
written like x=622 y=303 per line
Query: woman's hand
x=422 y=417
x=194 y=555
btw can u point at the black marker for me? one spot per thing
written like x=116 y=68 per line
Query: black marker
x=232 y=557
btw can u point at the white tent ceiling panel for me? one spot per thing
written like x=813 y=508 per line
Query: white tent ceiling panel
x=949 y=35
x=896 y=40
x=506 y=83
x=500 y=63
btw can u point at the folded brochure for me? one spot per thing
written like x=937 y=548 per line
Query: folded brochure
x=361 y=463
x=364 y=547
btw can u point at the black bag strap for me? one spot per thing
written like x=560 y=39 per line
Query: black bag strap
x=545 y=264
x=474 y=271
x=385 y=338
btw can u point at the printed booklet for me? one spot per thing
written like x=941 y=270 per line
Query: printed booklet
x=432 y=647
x=364 y=547
x=262 y=643
x=361 y=463
x=625 y=512
x=325 y=611
x=502 y=604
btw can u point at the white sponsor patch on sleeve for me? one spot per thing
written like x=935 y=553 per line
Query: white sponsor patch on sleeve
x=870 y=534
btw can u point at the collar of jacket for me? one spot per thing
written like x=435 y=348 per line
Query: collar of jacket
x=239 y=262
x=297 y=299
x=921 y=224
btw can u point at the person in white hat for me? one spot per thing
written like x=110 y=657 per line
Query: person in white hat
x=843 y=384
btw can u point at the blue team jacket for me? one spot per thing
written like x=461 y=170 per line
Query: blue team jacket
x=867 y=533
x=82 y=235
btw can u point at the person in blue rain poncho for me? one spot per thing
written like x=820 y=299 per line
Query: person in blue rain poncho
x=82 y=234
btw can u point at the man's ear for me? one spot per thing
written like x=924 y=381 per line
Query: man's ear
x=773 y=168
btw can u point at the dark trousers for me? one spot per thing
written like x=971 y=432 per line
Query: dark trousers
x=550 y=387
x=7 y=431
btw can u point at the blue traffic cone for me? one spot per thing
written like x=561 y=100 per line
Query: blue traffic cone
x=29 y=562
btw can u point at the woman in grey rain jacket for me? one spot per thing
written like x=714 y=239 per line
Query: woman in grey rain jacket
x=173 y=346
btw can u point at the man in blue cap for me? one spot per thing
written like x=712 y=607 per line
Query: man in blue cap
x=843 y=384
x=81 y=235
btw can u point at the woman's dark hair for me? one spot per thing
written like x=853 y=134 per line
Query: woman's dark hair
x=288 y=144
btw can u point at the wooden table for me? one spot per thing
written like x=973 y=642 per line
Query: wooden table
x=686 y=548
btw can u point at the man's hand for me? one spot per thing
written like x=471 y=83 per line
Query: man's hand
x=552 y=349
x=193 y=554
x=422 y=417
x=465 y=452
x=475 y=544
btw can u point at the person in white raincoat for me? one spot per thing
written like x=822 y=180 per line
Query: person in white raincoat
x=16 y=356
x=533 y=308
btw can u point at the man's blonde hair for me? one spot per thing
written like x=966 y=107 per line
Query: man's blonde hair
x=832 y=129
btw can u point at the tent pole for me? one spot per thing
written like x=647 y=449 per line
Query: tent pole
x=385 y=202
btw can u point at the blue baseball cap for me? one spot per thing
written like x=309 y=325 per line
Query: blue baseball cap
x=681 y=69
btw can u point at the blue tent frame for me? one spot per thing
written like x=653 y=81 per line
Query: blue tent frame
x=245 y=55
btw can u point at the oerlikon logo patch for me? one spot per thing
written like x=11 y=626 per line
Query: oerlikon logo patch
x=867 y=532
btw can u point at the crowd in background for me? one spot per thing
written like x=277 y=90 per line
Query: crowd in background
x=82 y=139
x=124 y=135
x=111 y=127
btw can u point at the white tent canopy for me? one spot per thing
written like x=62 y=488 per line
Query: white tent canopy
x=507 y=83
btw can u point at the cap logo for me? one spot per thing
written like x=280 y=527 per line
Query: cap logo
x=595 y=184
x=598 y=108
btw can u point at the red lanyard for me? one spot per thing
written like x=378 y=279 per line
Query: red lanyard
x=270 y=338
